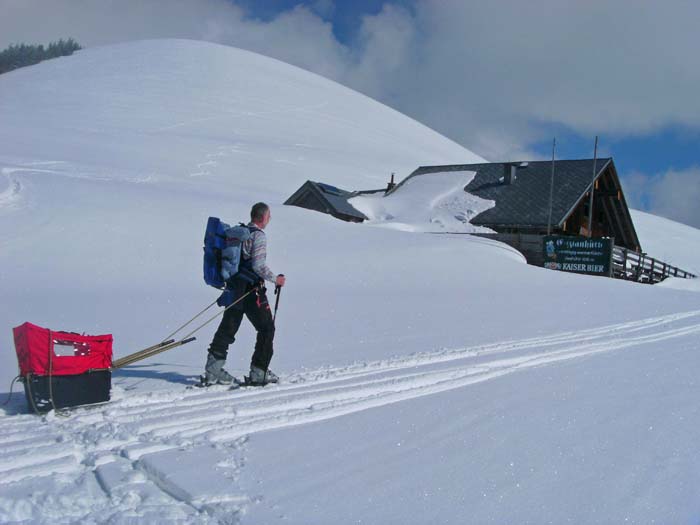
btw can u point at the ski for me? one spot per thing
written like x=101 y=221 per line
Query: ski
x=203 y=383
x=248 y=382
x=237 y=383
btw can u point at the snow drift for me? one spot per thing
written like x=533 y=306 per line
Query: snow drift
x=431 y=203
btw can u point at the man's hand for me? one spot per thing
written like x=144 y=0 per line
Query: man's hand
x=280 y=280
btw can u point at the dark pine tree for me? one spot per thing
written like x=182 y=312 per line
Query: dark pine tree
x=21 y=55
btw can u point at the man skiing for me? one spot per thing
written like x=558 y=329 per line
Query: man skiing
x=253 y=271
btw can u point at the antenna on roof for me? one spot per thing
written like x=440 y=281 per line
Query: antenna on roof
x=551 y=189
x=590 y=204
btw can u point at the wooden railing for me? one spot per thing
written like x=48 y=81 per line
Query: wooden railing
x=627 y=264
x=640 y=267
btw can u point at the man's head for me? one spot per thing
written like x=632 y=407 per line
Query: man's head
x=260 y=215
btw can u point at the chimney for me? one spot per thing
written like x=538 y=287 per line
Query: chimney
x=509 y=173
x=391 y=184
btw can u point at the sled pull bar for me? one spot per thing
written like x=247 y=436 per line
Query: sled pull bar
x=149 y=352
x=158 y=350
x=118 y=363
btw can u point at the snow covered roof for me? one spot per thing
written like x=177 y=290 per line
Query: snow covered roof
x=524 y=202
x=435 y=204
x=327 y=199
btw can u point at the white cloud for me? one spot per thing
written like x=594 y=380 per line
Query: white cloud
x=488 y=72
x=674 y=194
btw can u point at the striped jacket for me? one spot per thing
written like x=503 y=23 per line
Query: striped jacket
x=255 y=251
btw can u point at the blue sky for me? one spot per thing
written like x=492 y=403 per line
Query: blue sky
x=500 y=77
x=670 y=148
x=344 y=15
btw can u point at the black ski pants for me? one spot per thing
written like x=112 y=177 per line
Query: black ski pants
x=257 y=309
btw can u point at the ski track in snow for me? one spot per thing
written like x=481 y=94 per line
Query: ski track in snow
x=13 y=196
x=10 y=198
x=113 y=442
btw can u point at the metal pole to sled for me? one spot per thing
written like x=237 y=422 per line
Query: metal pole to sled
x=149 y=352
x=188 y=322
x=145 y=352
x=234 y=303
x=171 y=343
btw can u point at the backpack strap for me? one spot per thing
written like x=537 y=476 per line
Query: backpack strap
x=245 y=269
x=250 y=228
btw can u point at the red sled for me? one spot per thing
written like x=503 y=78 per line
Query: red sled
x=63 y=369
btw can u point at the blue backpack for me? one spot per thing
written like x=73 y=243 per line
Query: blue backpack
x=223 y=246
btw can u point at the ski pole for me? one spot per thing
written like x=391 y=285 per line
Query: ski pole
x=278 y=292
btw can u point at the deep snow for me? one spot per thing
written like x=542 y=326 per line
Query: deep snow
x=428 y=378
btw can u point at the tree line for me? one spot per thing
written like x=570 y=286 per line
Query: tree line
x=21 y=55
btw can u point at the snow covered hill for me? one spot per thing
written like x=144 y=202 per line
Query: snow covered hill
x=669 y=241
x=426 y=378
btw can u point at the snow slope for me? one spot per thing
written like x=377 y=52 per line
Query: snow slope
x=427 y=378
x=671 y=242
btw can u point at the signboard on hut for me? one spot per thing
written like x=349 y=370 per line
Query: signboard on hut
x=591 y=256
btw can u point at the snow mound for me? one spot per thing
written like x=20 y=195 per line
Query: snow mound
x=429 y=203
x=205 y=115
x=669 y=241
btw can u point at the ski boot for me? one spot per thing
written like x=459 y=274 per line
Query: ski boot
x=260 y=377
x=215 y=374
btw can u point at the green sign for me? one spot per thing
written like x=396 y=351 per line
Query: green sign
x=578 y=254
